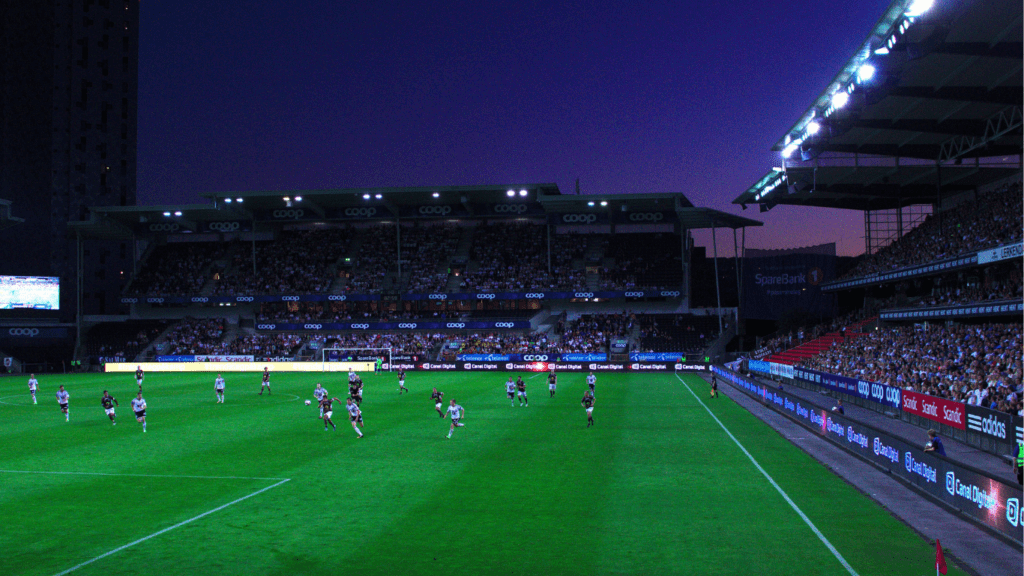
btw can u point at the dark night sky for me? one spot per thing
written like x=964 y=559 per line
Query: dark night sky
x=670 y=97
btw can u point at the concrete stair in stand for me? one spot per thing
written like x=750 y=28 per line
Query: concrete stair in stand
x=820 y=344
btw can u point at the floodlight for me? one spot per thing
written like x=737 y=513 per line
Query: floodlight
x=298 y=198
x=378 y=196
x=839 y=99
x=591 y=203
x=865 y=72
x=227 y=200
x=788 y=150
x=168 y=214
x=604 y=202
x=436 y=195
x=918 y=7
x=882 y=51
x=177 y=213
x=287 y=199
x=510 y=193
x=239 y=200
x=813 y=127
x=366 y=196
x=522 y=192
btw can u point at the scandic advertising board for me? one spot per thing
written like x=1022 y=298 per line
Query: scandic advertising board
x=985 y=500
x=939 y=410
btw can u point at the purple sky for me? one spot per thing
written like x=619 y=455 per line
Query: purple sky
x=673 y=97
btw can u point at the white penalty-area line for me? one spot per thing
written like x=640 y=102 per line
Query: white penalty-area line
x=772 y=481
x=179 y=524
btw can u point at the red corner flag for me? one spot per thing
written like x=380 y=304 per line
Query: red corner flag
x=940 y=560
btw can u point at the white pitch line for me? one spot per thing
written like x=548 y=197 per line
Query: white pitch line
x=168 y=529
x=775 y=485
x=137 y=475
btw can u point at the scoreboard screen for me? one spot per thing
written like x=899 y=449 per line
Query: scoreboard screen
x=31 y=292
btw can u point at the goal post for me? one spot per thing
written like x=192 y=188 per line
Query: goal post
x=339 y=359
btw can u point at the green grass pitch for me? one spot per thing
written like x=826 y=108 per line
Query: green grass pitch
x=656 y=487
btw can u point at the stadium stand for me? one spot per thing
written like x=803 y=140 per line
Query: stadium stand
x=297 y=262
x=508 y=256
x=977 y=364
x=195 y=336
x=990 y=220
x=426 y=253
x=595 y=332
x=368 y=272
x=676 y=333
x=643 y=261
x=123 y=340
x=175 y=269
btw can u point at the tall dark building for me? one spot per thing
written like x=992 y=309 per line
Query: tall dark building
x=69 y=81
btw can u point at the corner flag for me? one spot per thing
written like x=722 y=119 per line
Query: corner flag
x=940 y=560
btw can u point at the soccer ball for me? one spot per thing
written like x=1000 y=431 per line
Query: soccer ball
x=308 y=402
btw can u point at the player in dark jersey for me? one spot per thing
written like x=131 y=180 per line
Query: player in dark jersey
x=436 y=397
x=714 y=386
x=355 y=391
x=138 y=377
x=401 y=381
x=521 y=391
x=325 y=409
x=266 y=381
x=588 y=403
x=109 y=402
x=552 y=382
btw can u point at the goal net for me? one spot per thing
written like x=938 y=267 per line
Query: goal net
x=339 y=359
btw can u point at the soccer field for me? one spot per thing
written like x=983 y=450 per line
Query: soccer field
x=255 y=485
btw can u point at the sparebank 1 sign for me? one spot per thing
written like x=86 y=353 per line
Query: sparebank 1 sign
x=779 y=281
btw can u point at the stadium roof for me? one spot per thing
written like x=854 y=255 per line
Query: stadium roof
x=930 y=85
x=240 y=211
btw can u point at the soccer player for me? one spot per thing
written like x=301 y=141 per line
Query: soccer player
x=355 y=416
x=714 y=386
x=510 y=391
x=109 y=402
x=521 y=389
x=218 y=388
x=266 y=381
x=401 y=381
x=552 y=381
x=32 y=385
x=457 y=413
x=378 y=365
x=62 y=399
x=436 y=397
x=319 y=393
x=355 y=391
x=591 y=383
x=138 y=377
x=588 y=403
x=139 y=407
x=326 y=412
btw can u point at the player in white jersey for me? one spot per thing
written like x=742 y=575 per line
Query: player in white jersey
x=319 y=393
x=456 y=412
x=139 y=407
x=510 y=391
x=591 y=382
x=355 y=416
x=353 y=378
x=62 y=399
x=218 y=388
x=32 y=385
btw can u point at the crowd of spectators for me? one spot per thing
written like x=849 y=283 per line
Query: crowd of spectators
x=406 y=343
x=502 y=343
x=511 y=257
x=651 y=261
x=175 y=269
x=976 y=364
x=376 y=257
x=301 y=312
x=123 y=341
x=426 y=252
x=195 y=336
x=265 y=345
x=993 y=219
x=297 y=262
x=566 y=249
x=595 y=332
x=793 y=338
x=676 y=333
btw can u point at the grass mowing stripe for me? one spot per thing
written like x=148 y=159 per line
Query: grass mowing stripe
x=135 y=475
x=775 y=485
x=169 y=528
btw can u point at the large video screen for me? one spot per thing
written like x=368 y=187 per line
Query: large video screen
x=32 y=292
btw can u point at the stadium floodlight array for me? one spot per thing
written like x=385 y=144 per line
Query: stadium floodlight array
x=340 y=356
